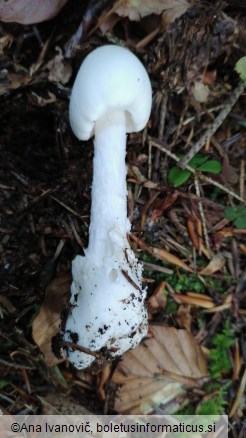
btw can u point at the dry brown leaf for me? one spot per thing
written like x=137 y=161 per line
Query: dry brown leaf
x=153 y=377
x=137 y=9
x=183 y=317
x=12 y=81
x=229 y=232
x=157 y=301
x=5 y=41
x=162 y=205
x=47 y=323
x=216 y=264
x=226 y=305
x=29 y=11
x=194 y=230
x=102 y=380
x=209 y=77
x=162 y=254
x=195 y=300
x=41 y=101
x=229 y=173
x=59 y=69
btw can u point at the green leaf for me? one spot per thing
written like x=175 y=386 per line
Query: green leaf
x=3 y=383
x=177 y=176
x=212 y=166
x=198 y=160
x=240 y=222
x=219 y=358
x=237 y=215
x=231 y=213
x=241 y=68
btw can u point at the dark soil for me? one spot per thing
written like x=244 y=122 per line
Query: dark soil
x=46 y=175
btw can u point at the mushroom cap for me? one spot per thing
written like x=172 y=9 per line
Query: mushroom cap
x=110 y=78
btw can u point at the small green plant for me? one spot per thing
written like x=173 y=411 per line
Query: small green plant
x=189 y=409
x=216 y=404
x=171 y=307
x=178 y=176
x=3 y=383
x=237 y=215
x=219 y=360
x=241 y=68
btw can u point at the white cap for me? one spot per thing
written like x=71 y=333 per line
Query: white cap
x=110 y=78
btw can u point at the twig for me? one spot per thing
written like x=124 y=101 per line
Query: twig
x=163 y=111
x=242 y=178
x=159 y=145
x=75 y=233
x=215 y=125
x=71 y=210
x=59 y=249
x=16 y=365
x=76 y=347
x=204 y=224
x=158 y=268
x=104 y=17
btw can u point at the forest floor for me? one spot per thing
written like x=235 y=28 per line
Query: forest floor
x=188 y=226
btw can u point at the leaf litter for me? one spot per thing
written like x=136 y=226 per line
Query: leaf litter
x=45 y=179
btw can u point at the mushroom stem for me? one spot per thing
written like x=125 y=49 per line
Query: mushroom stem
x=109 y=194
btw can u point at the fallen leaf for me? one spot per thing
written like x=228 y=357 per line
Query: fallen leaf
x=12 y=81
x=209 y=77
x=165 y=10
x=161 y=254
x=162 y=205
x=5 y=41
x=194 y=228
x=174 y=10
x=137 y=9
x=239 y=401
x=108 y=23
x=194 y=299
x=153 y=377
x=47 y=323
x=226 y=305
x=29 y=11
x=59 y=69
x=229 y=173
x=200 y=92
x=243 y=248
x=102 y=380
x=183 y=317
x=216 y=264
x=41 y=101
x=157 y=300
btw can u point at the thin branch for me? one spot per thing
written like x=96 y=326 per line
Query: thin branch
x=236 y=93
x=201 y=210
x=159 y=145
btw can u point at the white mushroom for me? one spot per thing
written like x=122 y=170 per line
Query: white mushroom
x=111 y=96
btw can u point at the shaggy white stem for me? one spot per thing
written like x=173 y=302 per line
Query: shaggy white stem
x=107 y=299
x=109 y=195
